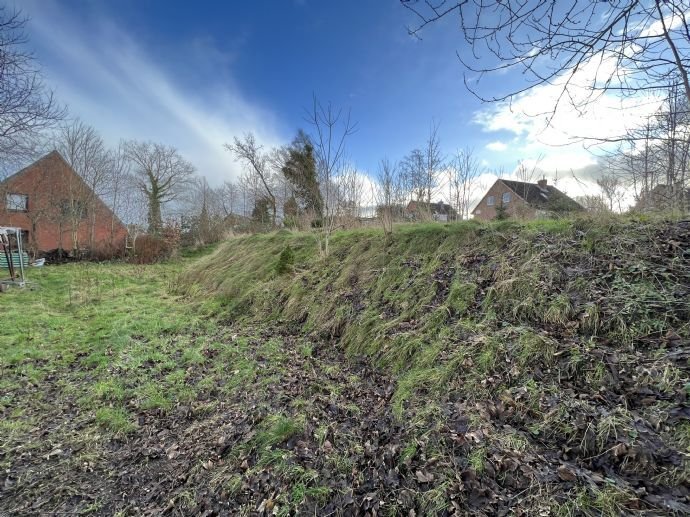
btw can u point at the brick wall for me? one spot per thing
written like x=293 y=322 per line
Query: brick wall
x=517 y=207
x=51 y=183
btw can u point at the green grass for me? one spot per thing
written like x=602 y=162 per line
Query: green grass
x=107 y=335
x=115 y=419
x=277 y=430
x=496 y=315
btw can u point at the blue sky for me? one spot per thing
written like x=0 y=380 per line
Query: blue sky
x=195 y=74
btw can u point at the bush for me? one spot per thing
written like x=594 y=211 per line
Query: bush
x=107 y=251
x=149 y=249
x=152 y=248
x=501 y=213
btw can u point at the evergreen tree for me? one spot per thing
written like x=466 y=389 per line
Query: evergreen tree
x=501 y=213
x=260 y=213
x=291 y=208
x=300 y=170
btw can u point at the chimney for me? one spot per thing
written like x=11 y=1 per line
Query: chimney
x=542 y=183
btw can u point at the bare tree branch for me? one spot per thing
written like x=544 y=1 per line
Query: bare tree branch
x=27 y=107
x=627 y=46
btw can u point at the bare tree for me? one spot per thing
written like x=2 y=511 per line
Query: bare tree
x=331 y=127
x=652 y=160
x=84 y=150
x=632 y=46
x=421 y=169
x=204 y=211
x=389 y=194
x=525 y=173
x=351 y=189
x=612 y=190
x=27 y=107
x=160 y=173
x=464 y=171
x=413 y=171
x=119 y=180
x=260 y=163
x=229 y=195
x=594 y=203
x=249 y=191
x=433 y=160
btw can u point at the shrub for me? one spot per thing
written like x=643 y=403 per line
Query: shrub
x=501 y=213
x=151 y=248
x=148 y=249
x=106 y=251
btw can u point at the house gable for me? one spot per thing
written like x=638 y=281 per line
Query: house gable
x=484 y=210
x=51 y=184
x=527 y=200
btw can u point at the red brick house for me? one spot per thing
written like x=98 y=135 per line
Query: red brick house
x=524 y=200
x=58 y=210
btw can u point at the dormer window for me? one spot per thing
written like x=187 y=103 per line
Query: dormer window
x=17 y=202
x=491 y=201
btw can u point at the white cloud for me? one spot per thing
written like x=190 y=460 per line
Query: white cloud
x=672 y=20
x=496 y=146
x=560 y=160
x=110 y=81
x=546 y=122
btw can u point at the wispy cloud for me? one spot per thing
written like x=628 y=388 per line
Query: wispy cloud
x=111 y=82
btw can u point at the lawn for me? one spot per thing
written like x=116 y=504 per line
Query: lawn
x=83 y=350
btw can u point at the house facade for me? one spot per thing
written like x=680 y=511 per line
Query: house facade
x=523 y=200
x=421 y=210
x=56 y=209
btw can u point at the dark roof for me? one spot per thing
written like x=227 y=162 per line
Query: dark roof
x=548 y=198
x=438 y=208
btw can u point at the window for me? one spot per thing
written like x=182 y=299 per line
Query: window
x=491 y=200
x=17 y=202
x=506 y=197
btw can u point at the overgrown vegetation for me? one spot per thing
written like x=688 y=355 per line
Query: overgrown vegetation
x=459 y=368
x=544 y=336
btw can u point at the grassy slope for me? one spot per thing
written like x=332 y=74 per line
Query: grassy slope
x=117 y=397
x=562 y=344
x=541 y=366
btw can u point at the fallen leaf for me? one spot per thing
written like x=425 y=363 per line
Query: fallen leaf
x=423 y=477
x=566 y=474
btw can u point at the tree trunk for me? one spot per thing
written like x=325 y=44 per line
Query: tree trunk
x=155 y=218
